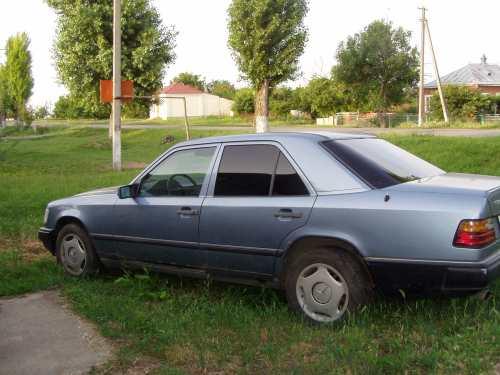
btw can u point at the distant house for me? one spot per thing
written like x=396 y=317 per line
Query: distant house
x=199 y=103
x=483 y=77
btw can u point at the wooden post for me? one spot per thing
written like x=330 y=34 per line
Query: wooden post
x=188 y=136
x=421 y=99
x=117 y=91
x=438 y=78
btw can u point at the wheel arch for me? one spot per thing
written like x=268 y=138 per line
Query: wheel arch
x=61 y=223
x=318 y=241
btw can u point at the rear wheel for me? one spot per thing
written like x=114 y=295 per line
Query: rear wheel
x=323 y=285
x=75 y=251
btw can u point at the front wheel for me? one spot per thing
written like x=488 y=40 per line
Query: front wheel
x=75 y=251
x=323 y=285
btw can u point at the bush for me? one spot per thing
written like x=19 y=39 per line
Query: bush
x=281 y=101
x=464 y=103
x=244 y=101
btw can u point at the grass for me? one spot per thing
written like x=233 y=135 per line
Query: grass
x=239 y=121
x=189 y=326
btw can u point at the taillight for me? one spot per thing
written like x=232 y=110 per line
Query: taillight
x=475 y=233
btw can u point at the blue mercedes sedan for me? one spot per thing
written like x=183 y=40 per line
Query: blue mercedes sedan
x=328 y=217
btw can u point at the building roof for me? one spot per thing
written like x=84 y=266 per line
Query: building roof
x=482 y=74
x=181 y=88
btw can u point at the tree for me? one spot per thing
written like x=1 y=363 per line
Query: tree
x=464 y=103
x=17 y=74
x=41 y=112
x=281 y=101
x=267 y=38
x=70 y=107
x=244 y=101
x=190 y=79
x=83 y=49
x=222 y=88
x=4 y=98
x=379 y=64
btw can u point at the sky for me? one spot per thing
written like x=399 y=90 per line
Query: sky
x=461 y=32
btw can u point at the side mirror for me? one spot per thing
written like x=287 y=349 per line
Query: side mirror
x=128 y=191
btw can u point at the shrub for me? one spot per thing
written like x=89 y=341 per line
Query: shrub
x=244 y=101
x=464 y=103
x=282 y=101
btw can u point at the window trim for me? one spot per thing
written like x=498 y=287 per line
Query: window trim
x=165 y=156
x=215 y=170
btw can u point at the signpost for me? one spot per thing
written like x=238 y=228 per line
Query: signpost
x=117 y=90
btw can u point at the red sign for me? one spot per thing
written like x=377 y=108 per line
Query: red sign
x=106 y=90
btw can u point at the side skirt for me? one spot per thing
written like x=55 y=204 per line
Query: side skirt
x=236 y=277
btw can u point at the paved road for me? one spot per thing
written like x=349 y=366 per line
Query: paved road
x=438 y=132
x=476 y=133
x=40 y=335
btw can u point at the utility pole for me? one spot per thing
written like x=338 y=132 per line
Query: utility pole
x=117 y=89
x=421 y=103
x=438 y=78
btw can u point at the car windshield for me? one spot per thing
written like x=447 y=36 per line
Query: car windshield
x=380 y=163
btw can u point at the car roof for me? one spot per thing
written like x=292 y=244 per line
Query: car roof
x=317 y=136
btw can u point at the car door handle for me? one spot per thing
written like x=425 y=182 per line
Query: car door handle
x=187 y=211
x=286 y=213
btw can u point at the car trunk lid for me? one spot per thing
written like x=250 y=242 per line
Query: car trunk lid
x=458 y=183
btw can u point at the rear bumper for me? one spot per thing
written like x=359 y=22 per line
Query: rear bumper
x=453 y=278
x=46 y=236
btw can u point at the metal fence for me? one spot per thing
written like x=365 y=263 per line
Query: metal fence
x=367 y=120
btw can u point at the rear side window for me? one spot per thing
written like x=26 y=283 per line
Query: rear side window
x=246 y=170
x=256 y=170
x=286 y=180
x=380 y=163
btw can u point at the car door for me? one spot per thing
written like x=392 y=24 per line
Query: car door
x=255 y=200
x=160 y=225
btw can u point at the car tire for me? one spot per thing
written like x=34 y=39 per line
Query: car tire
x=324 y=285
x=75 y=252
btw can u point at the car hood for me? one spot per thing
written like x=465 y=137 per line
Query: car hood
x=102 y=191
x=453 y=183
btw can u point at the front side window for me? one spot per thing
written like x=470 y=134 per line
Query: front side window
x=181 y=174
x=256 y=170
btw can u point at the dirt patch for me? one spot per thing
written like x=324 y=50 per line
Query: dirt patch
x=125 y=166
x=134 y=165
x=29 y=249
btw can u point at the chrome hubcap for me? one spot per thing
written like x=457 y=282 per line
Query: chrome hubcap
x=322 y=292
x=73 y=254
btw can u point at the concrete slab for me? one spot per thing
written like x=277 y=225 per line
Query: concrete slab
x=40 y=335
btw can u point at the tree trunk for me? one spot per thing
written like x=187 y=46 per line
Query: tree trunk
x=262 y=108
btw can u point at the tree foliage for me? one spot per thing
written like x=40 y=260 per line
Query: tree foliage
x=378 y=64
x=4 y=97
x=222 y=88
x=281 y=101
x=71 y=107
x=190 y=79
x=464 y=103
x=17 y=76
x=267 y=37
x=244 y=101
x=323 y=97
x=83 y=48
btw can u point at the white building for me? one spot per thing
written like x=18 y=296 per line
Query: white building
x=199 y=103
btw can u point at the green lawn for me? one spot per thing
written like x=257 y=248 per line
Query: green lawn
x=190 y=326
x=179 y=121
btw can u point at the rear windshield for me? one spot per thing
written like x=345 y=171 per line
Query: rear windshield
x=380 y=163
